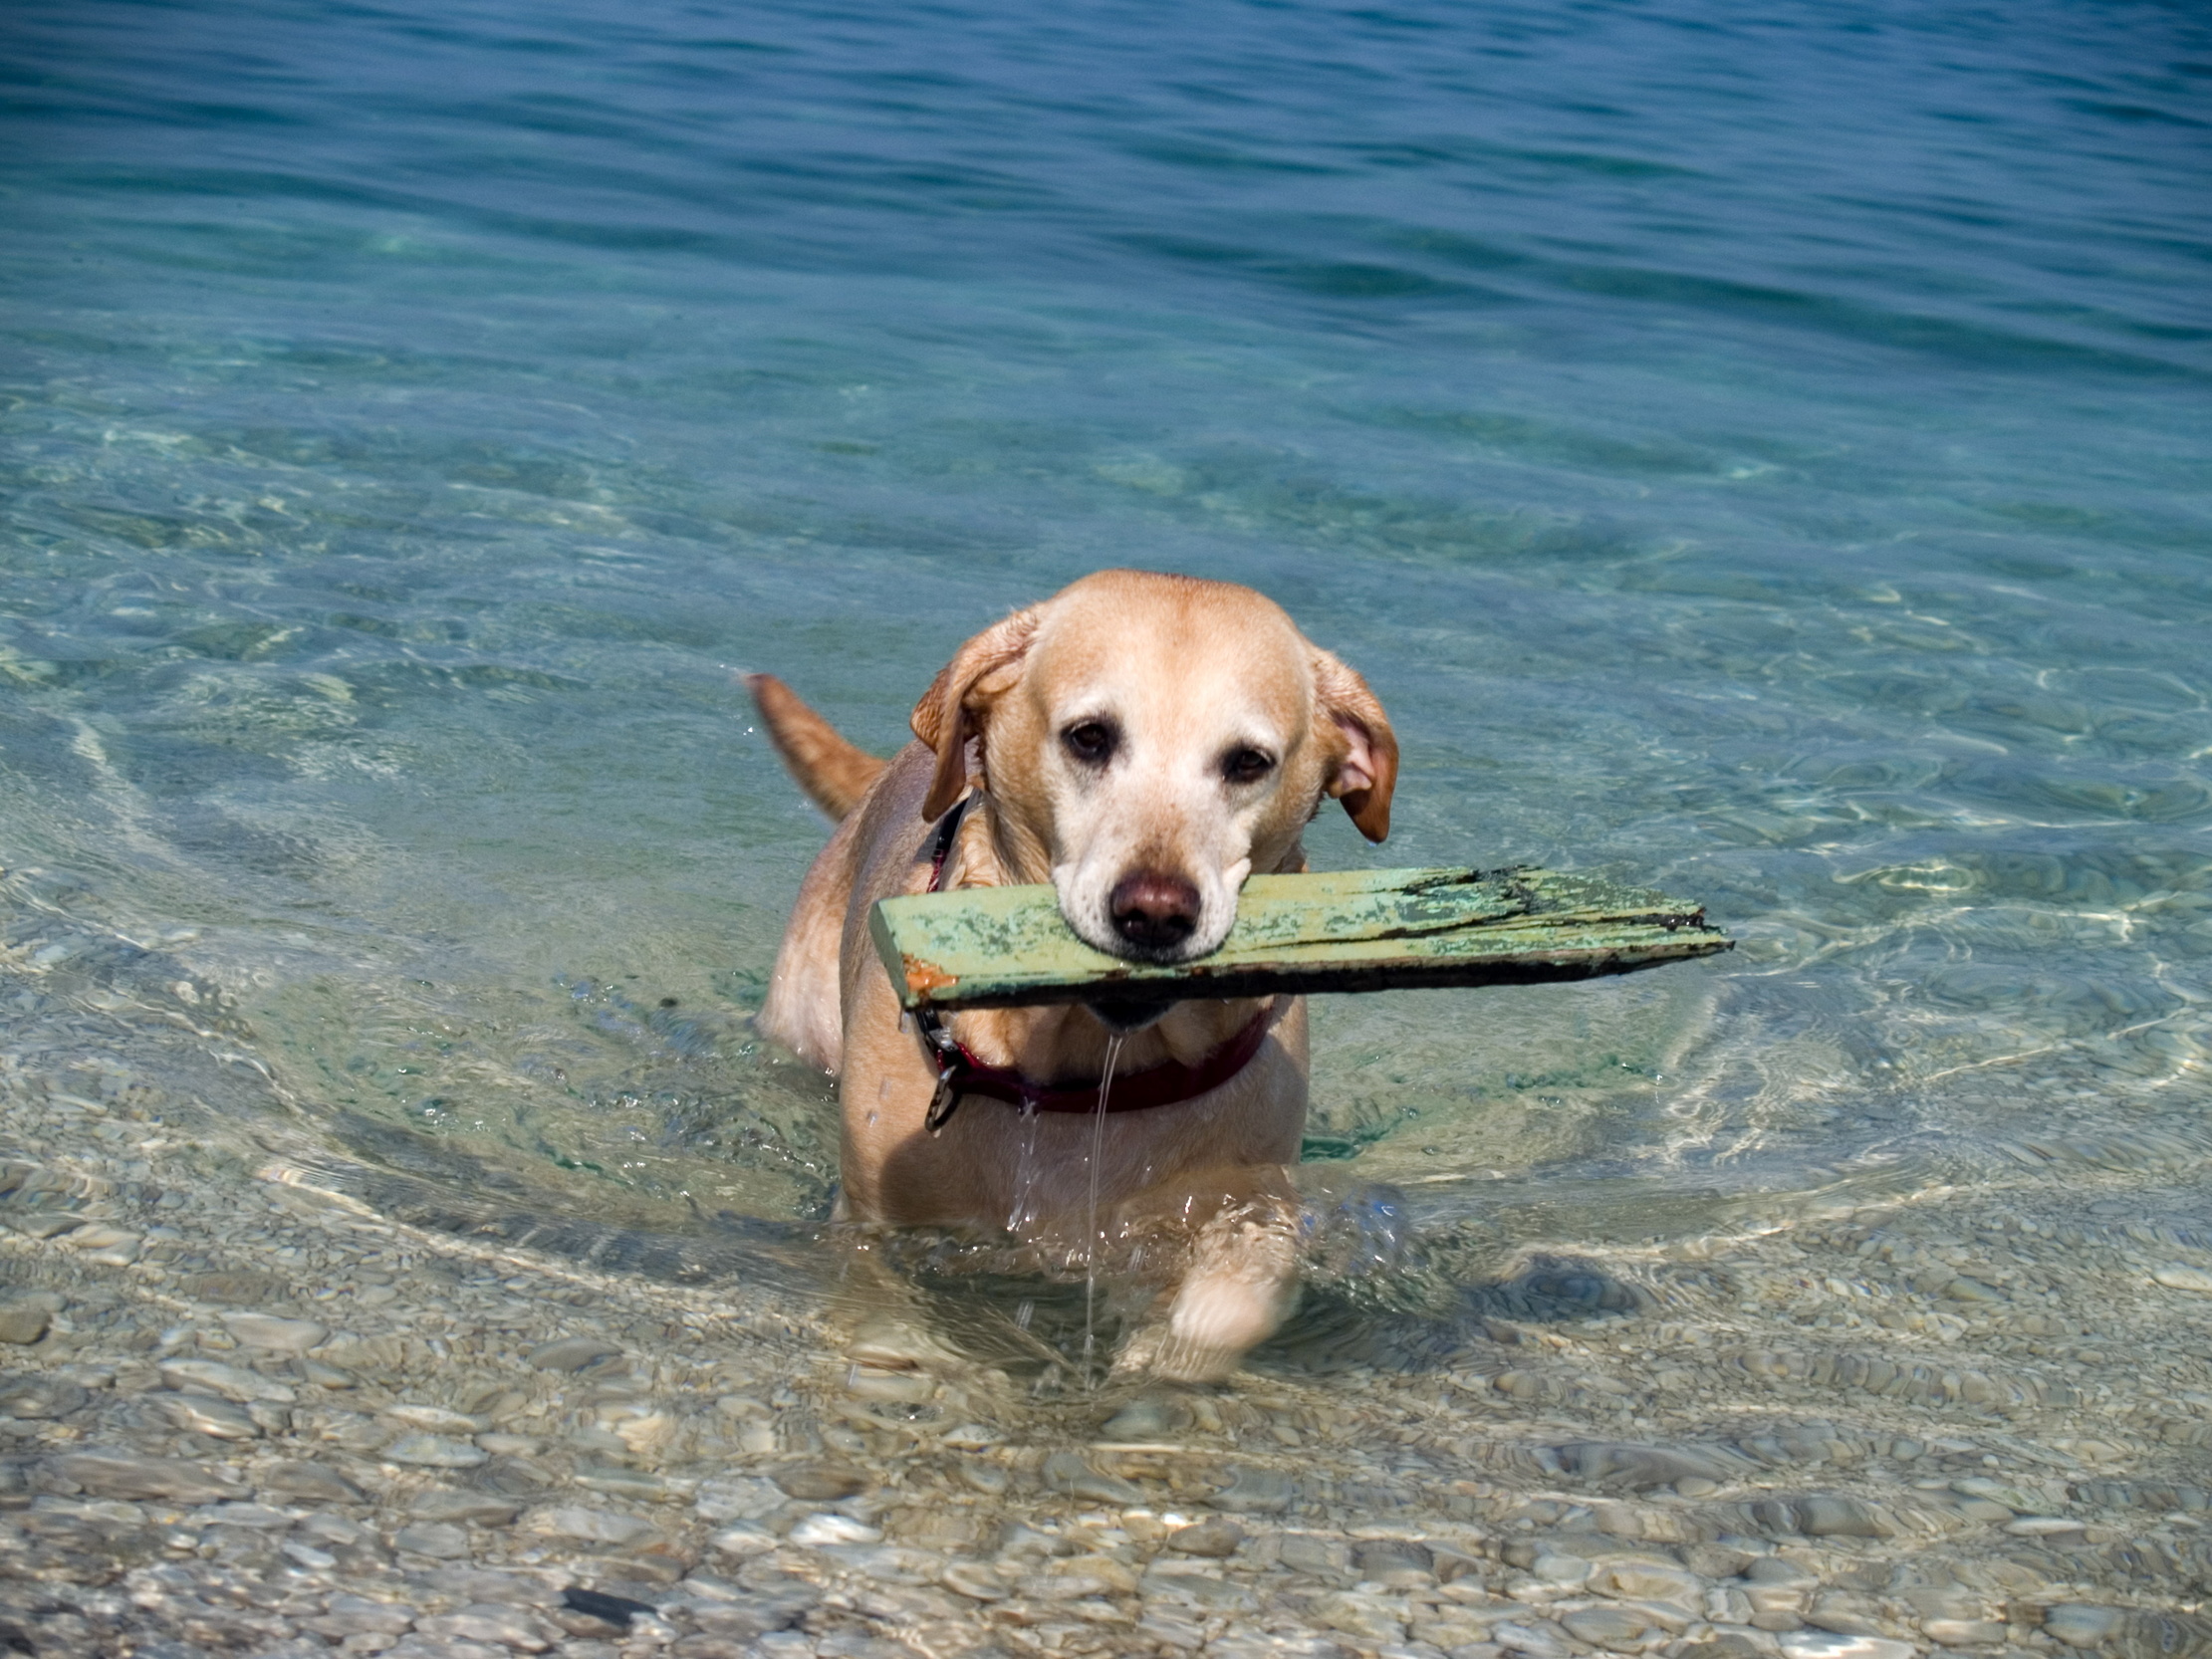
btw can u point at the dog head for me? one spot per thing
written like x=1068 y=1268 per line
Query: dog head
x=1150 y=741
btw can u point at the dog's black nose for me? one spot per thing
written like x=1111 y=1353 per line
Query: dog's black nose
x=1155 y=911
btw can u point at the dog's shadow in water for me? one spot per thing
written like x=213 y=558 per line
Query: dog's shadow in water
x=1054 y=1337
x=1333 y=1331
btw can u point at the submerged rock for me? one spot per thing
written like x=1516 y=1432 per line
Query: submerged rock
x=432 y=1450
x=232 y=1382
x=432 y=1537
x=24 y=1321
x=1068 y=1472
x=201 y=1414
x=274 y=1335
x=314 y=1483
x=482 y=1508
x=1213 y=1538
x=573 y=1353
x=40 y=1398
x=2080 y=1625
x=820 y=1482
x=1250 y=1489
x=125 y=1475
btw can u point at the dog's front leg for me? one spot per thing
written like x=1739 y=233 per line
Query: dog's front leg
x=1229 y=1242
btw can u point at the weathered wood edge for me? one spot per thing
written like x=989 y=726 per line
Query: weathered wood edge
x=1646 y=934
x=1556 y=966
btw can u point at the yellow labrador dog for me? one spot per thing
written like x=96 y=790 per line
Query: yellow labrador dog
x=1143 y=743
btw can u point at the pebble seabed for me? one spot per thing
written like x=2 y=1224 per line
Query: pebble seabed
x=243 y=1414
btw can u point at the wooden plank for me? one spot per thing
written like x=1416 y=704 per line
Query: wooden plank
x=1342 y=930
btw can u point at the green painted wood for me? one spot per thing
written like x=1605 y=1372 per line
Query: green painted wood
x=1342 y=930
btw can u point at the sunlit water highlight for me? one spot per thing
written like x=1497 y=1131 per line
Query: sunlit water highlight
x=1757 y=456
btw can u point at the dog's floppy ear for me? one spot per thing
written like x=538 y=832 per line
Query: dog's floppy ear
x=950 y=711
x=1365 y=771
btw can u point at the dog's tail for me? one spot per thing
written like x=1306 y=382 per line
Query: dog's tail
x=833 y=772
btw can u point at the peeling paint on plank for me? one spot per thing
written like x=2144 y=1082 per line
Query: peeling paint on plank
x=1343 y=930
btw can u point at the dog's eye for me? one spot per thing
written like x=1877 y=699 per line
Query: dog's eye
x=1093 y=742
x=1245 y=766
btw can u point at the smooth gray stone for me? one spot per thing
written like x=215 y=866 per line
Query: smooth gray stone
x=476 y=1584
x=749 y=1615
x=313 y=1483
x=1197 y=1591
x=1401 y=1565
x=39 y=1398
x=1144 y=1420
x=357 y=1615
x=203 y=1414
x=488 y=1623
x=434 y=1451
x=232 y=1382
x=1605 y=1626
x=975 y=1580
x=1779 y=1569
x=986 y=1478
x=821 y=1483
x=737 y=1498
x=1964 y=1288
x=23 y=1322
x=1067 y=1471
x=1540 y=1640
x=258 y=1515
x=572 y=1521
x=1255 y=1491
x=515 y=1478
x=434 y=1419
x=573 y=1353
x=434 y=1538
x=744 y=1539
x=1556 y=1566
x=46 y=1224
x=1369 y=1619
x=274 y=1335
x=459 y=1507
x=1829 y=1515
x=2080 y=1625
x=1214 y=1536
x=621 y=1483
x=1638 y=1468
x=1320 y=1557
x=126 y=1475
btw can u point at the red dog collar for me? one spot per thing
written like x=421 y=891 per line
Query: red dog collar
x=1169 y=1084
x=960 y=1074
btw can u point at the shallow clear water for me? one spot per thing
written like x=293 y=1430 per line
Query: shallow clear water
x=1756 y=454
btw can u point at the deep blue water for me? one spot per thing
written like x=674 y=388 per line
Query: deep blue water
x=1758 y=450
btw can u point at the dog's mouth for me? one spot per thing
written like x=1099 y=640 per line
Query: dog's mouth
x=1153 y=922
x=1125 y=1015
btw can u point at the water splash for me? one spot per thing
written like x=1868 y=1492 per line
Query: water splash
x=1090 y=1240
x=1024 y=1173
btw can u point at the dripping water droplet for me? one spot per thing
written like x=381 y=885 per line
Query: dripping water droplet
x=1091 y=1252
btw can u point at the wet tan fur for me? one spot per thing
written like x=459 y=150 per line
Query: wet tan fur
x=1171 y=654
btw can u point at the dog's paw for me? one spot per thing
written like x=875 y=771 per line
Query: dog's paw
x=1231 y=1311
x=1242 y=1285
